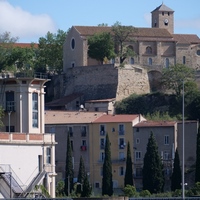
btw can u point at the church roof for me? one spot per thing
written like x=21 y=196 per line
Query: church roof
x=139 y=32
x=186 y=38
x=163 y=7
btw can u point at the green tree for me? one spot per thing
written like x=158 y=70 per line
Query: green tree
x=101 y=46
x=197 y=171
x=81 y=175
x=60 y=189
x=123 y=34
x=107 y=184
x=128 y=179
x=130 y=191
x=153 y=179
x=69 y=173
x=50 y=54
x=176 y=178
x=173 y=77
x=6 y=45
x=86 y=190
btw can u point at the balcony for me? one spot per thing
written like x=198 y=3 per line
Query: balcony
x=83 y=148
x=121 y=132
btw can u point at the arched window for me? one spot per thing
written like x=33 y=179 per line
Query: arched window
x=131 y=47
x=167 y=62
x=132 y=61
x=149 y=50
x=150 y=61
x=184 y=60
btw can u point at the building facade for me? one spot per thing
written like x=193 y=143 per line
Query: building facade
x=169 y=137
x=26 y=148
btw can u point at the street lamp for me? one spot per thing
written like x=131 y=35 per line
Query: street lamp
x=183 y=151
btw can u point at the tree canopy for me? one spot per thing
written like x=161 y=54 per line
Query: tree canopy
x=101 y=46
x=122 y=35
x=50 y=54
x=173 y=77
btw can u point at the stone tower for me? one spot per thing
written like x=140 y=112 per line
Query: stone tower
x=163 y=17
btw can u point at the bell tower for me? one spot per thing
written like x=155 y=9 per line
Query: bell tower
x=163 y=17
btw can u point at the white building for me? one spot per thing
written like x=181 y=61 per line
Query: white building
x=27 y=154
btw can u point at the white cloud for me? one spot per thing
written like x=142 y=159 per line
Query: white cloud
x=23 y=24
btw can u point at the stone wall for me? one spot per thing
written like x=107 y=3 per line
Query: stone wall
x=100 y=82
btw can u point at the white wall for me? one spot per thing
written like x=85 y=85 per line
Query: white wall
x=22 y=159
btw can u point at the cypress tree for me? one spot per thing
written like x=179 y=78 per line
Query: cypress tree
x=128 y=179
x=153 y=179
x=86 y=189
x=197 y=171
x=107 y=185
x=69 y=173
x=176 y=178
x=81 y=175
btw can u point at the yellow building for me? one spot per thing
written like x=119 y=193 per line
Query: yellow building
x=120 y=131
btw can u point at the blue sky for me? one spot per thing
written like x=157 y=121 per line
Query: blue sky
x=31 y=19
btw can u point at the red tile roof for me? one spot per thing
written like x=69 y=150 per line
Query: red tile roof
x=106 y=118
x=25 y=45
x=70 y=117
x=155 y=123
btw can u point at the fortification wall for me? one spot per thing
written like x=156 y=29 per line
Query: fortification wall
x=100 y=82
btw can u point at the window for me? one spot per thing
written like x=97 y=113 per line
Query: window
x=83 y=131
x=121 y=156
x=184 y=60
x=167 y=62
x=132 y=61
x=121 y=143
x=198 y=52
x=83 y=145
x=73 y=43
x=96 y=109
x=10 y=104
x=102 y=156
x=97 y=185
x=138 y=155
x=70 y=131
x=138 y=172
x=121 y=171
x=52 y=130
x=72 y=64
x=155 y=23
x=48 y=155
x=166 y=139
x=137 y=140
x=166 y=155
x=150 y=61
x=163 y=13
x=102 y=129
x=72 y=145
x=35 y=110
x=137 y=129
x=102 y=143
x=101 y=171
x=149 y=50
x=121 y=129
x=12 y=129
